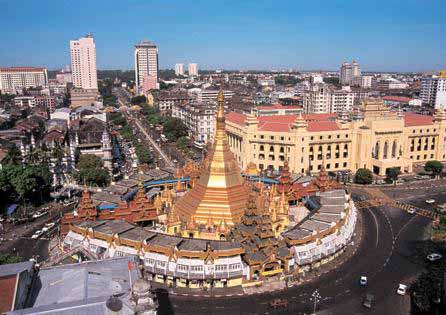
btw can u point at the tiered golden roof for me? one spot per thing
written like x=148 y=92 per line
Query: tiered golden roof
x=220 y=193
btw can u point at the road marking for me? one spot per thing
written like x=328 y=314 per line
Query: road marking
x=377 y=226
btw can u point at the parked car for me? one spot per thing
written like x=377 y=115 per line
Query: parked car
x=430 y=201
x=37 y=234
x=39 y=214
x=434 y=257
x=411 y=210
x=368 y=300
x=48 y=226
x=363 y=280
x=402 y=288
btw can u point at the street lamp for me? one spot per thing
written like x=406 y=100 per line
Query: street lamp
x=315 y=297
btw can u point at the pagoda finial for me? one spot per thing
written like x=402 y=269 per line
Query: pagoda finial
x=221 y=110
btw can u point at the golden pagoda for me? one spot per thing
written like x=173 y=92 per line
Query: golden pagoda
x=220 y=193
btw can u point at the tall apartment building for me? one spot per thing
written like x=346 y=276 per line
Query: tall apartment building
x=320 y=98
x=83 y=63
x=15 y=79
x=317 y=98
x=348 y=72
x=341 y=101
x=179 y=69
x=146 y=63
x=433 y=90
x=192 y=69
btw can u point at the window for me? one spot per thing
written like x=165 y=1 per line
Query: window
x=234 y=267
x=336 y=165
x=221 y=268
x=196 y=268
x=344 y=164
x=150 y=261
x=182 y=268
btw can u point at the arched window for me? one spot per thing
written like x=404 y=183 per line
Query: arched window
x=386 y=148
x=394 y=149
x=282 y=150
x=376 y=150
x=261 y=148
x=271 y=149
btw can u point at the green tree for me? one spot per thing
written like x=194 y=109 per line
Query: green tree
x=434 y=166
x=127 y=132
x=174 y=128
x=137 y=100
x=143 y=154
x=91 y=171
x=393 y=173
x=9 y=259
x=13 y=156
x=182 y=143
x=363 y=176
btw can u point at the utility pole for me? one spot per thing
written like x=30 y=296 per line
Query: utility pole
x=315 y=297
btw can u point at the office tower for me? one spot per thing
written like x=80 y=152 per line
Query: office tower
x=193 y=69
x=349 y=72
x=433 y=90
x=179 y=69
x=146 y=65
x=15 y=79
x=83 y=63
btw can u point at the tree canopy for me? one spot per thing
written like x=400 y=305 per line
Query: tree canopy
x=434 y=166
x=137 y=100
x=91 y=171
x=9 y=259
x=393 y=173
x=364 y=176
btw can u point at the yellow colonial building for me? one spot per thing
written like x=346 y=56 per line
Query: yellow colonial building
x=373 y=137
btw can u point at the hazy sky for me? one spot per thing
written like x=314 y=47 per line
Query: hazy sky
x=392 y=35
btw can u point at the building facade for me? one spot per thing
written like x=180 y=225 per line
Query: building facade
x=199 y=119
x=146 y=62
x=15 y=79
x=373 y=138
x=83 y=63
x=192 y=69
x=210 y=96
x=433 y=90
x=349 y=72
x=179 y=69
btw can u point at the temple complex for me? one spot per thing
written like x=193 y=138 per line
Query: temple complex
x=221 y=229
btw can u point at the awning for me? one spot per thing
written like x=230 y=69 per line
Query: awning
x=10 y=210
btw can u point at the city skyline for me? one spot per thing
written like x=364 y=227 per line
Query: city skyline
x=233 y=35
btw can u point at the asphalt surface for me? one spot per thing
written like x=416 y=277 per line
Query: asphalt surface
x=385 y=256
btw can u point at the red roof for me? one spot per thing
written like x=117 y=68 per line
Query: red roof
x=283 y=123
x=393 y=98
x=314 y=126
x=22 y=69
x=236 y=118
x=411 y=120
x=8 y=290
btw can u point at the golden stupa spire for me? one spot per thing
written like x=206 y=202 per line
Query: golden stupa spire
x=220 y=191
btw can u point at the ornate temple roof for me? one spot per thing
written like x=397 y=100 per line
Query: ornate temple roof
x=220 y=193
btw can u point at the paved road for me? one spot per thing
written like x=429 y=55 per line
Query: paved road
x=383 y=256
x=153 y=143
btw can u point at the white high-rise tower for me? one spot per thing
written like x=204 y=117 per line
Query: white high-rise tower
x=193 y=69
x=83 y=63
x=179 y=69
x=146 y=64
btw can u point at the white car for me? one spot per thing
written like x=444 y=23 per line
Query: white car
x=411 y=210
x=37 y=234
x=363 y=280
x=48 y=226
x=430 y=201
x=434 y=257
x=402 y=288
